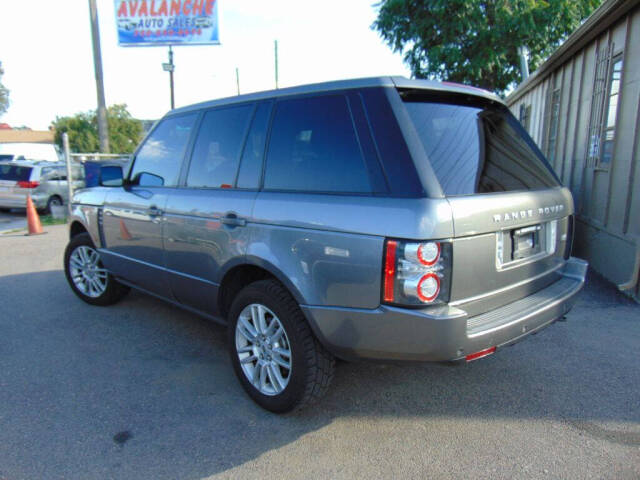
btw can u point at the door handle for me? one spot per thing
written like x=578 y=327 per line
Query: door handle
x=232 y=220
x=154 y=212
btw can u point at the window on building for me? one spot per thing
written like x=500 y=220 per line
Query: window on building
x=525 y=116
x=552 y=132
x=598 y=98
x=611 y=112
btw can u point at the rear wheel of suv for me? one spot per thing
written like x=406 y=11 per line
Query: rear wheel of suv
x=86 y=274
x=279 y=362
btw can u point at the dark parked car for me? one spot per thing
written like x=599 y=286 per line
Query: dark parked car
x=383 y=218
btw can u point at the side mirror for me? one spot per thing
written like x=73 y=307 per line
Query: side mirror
x=146 y=179
x=111 y=176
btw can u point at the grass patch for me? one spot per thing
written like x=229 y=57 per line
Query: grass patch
x=49 y=220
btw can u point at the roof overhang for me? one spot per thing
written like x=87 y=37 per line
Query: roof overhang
x=599 y=21
x=26 y=136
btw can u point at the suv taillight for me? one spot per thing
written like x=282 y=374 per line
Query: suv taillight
x=416 y=273
x=27 y=184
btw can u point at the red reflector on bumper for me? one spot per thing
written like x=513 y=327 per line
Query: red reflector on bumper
x=480 y=354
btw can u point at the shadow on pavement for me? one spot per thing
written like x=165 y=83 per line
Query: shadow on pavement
x=145 y=389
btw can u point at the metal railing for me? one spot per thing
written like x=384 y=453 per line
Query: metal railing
x=82 y=158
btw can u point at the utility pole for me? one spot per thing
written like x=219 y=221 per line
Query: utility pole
x=103 y=128
x=523 y=52
x=238 y=80
x=276 y=56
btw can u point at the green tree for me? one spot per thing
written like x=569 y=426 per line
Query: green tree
x=125 y=132
x=4 y=94
x=476 y=41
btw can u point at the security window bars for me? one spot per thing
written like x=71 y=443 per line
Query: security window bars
x=552 y=135
x=609 y=129
x=525 y=116
x=603 y=58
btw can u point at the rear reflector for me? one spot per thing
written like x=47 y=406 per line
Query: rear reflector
x=480 y=354
x=390 y=270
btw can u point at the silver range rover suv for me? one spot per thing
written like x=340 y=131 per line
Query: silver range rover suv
x=382 y=218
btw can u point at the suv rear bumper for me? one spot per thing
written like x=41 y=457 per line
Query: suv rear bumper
x=445 y=333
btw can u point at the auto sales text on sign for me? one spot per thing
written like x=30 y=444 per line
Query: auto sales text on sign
x=167 y=22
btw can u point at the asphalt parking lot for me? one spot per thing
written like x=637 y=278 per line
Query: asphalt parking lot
x=145 y=390
x=13 y=219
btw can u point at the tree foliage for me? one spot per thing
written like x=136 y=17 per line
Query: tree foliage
x=4 y=94
x=476 y=41
x=125 y=132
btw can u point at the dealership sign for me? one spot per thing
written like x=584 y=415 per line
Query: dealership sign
x=167 y=22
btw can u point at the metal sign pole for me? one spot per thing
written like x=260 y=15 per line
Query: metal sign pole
x=67 y=158
x=275 y=46
x=171 y=69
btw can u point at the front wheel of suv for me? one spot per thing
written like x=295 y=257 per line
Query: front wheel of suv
x=86 y=274
x=278 y=361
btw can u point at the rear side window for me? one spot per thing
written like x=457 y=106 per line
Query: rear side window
x=216 y=154
x=14 y=173
x=314 y=148
x=50 y=174
x=476 y=149
x=159 y=160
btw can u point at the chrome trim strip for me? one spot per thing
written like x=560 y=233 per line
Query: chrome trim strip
x=168 y=270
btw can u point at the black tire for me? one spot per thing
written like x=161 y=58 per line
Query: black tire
x=312 y=367
x=54 y=200
x=114 y=290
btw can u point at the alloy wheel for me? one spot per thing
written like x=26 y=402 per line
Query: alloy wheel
x=88 y=274
x=263 y=349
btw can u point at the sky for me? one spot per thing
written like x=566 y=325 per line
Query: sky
x=50 y=71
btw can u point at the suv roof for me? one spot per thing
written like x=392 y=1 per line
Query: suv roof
x=369 y=82
x=32 y=163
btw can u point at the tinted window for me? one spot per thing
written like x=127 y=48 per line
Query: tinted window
x=110 y=175
x=478 y=150
x=161 y=155
x=251 y=164
x=14 y=173
x=49 y=174
x=214 y=162
x=313 y=147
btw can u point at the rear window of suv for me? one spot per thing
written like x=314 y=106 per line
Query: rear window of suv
x=15 y=173
x=478 y=149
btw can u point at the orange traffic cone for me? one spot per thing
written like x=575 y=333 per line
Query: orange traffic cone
x=124 y=231
x=33 y=220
